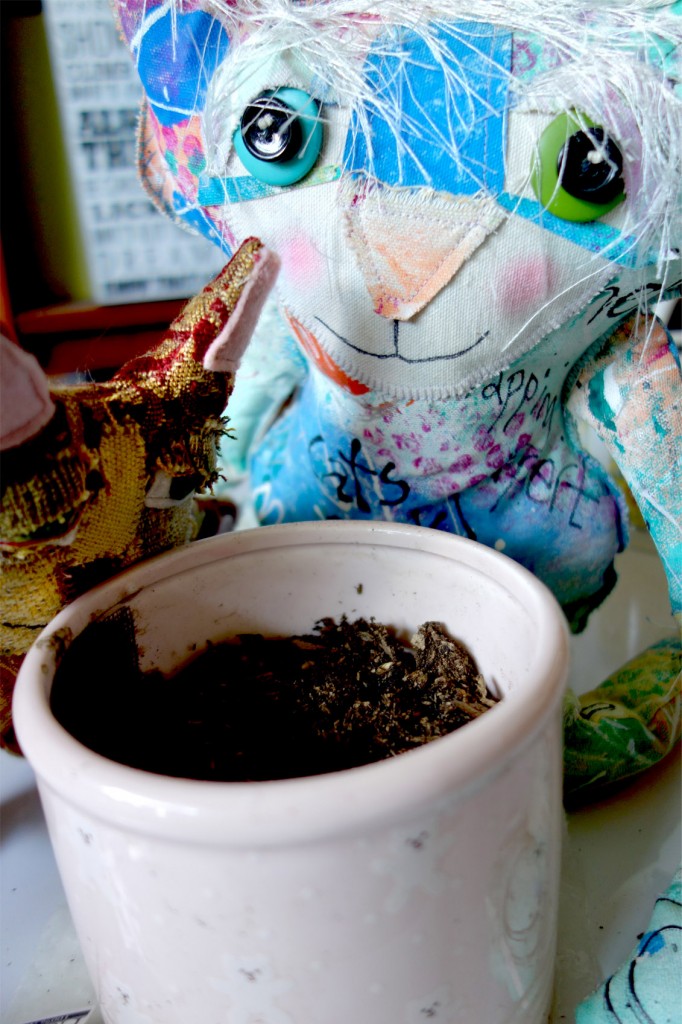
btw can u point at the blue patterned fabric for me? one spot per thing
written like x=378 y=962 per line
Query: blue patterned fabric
x=647 y=989
x=177 y=58
x=406 y=141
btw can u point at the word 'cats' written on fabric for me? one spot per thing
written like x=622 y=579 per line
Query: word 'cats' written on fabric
x=560 y=487
x=352 y=475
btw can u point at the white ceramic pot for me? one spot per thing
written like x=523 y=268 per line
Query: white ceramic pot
x=419 y=888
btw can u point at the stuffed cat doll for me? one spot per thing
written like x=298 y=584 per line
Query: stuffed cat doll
x=98 y=476
x=476 y=206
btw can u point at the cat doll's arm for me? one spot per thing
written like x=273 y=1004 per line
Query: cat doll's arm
x=271 y=370
x=628 y=389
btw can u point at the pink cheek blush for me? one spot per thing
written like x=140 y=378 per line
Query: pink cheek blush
x=303 y=264
x=524 y=285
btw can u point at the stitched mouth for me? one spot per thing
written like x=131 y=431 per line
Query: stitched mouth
x=396 y=326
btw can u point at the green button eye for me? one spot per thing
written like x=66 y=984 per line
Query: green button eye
x=577 y=172
x=280 y=136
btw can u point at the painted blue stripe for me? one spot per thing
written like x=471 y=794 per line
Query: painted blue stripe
x=218 y=191
x=437 y=117
x=598 y=238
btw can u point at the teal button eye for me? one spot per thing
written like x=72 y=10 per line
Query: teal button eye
x=280 y=136
x=577 y=172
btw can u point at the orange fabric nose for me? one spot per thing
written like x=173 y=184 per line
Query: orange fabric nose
x=410 y=243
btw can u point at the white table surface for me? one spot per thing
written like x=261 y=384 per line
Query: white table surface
x=618 y=855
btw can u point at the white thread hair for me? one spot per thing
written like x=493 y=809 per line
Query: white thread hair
x=605 y=55
x=607 y=58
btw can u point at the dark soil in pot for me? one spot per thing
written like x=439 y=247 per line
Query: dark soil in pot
x=257 y=708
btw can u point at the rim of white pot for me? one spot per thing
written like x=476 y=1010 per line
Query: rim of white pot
x=299 y=809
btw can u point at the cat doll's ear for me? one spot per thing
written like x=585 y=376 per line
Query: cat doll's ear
x=211 y=333
x=261 y=267
x=25 y=403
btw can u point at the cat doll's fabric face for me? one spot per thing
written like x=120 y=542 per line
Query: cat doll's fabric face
x=404 y=172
